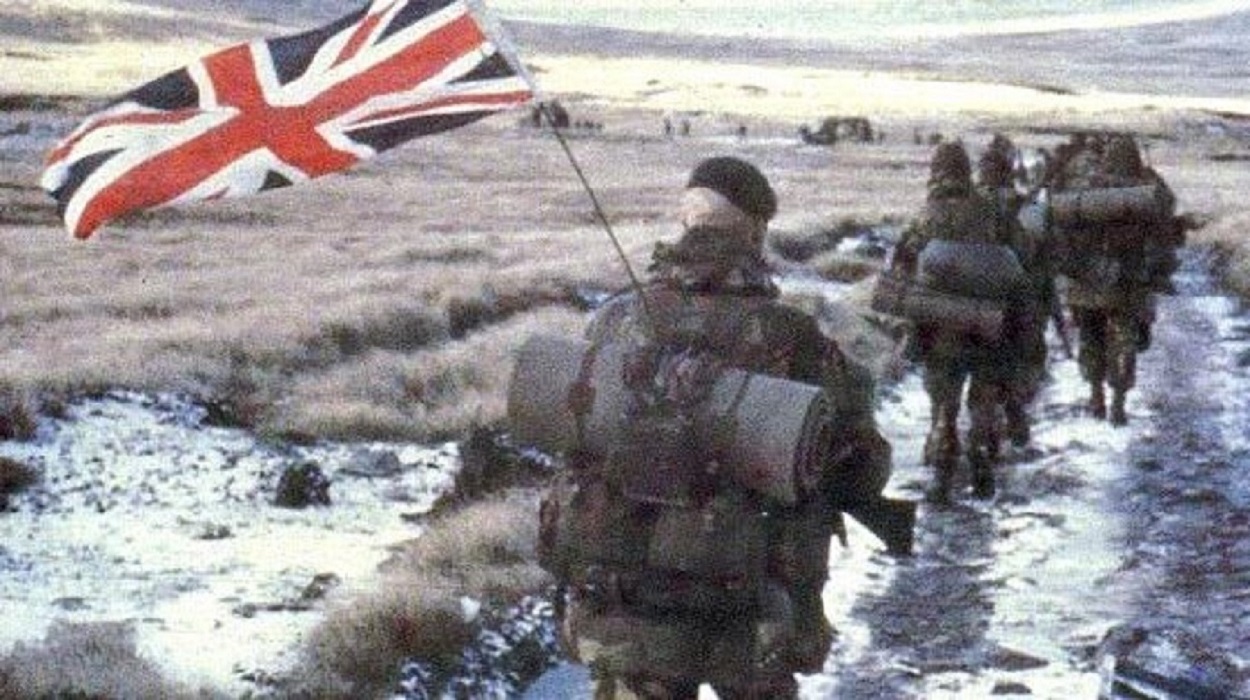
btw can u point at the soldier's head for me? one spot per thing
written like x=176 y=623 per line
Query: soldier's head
x=725 y=210
x=731 y=197
x=1122 y=157
x=996 y=167
x=950 y=172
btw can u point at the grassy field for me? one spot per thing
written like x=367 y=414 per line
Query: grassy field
x=386 y=303
x=383 y=303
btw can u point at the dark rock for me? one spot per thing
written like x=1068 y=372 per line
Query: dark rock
x=321 y=584
x=214 y=531
x=1013 y=660
x=301 y=486
x=372 y=464
x=1174 y=663
x=1243 y=358
x=1010 y=688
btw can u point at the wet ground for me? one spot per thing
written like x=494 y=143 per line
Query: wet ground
x=1113 y=563
x=1104 y=544
x=1125 y=546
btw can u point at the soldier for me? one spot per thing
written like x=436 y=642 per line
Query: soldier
x=1113 y=308
x=711 y=303
x=996 y=174
x=954 y=357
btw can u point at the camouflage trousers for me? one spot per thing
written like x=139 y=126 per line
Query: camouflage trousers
x=1110 y=340
x=668 y=657
x=1030 y=372
x=953 y=363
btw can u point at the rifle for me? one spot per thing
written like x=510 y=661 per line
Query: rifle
x=893 y=521
x=1061 y=327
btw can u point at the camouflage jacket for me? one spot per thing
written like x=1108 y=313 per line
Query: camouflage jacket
x=749 y=329
x=970 y=218
x=1130 y=260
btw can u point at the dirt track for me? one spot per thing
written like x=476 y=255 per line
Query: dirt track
x=1129 y=543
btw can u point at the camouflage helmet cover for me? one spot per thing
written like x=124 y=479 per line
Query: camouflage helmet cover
x=950 y=166
x=1122 y=157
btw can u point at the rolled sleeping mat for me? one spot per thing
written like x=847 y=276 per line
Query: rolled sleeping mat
x=1107 y=205
x=771 y=435
x=977 y=270
x=896 y=295
x=541 y=400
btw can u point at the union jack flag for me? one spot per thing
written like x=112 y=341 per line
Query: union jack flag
x=275 y=112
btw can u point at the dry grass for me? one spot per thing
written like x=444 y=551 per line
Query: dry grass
x=1213 y=186
x=484 y=551
x=378 y=304
x=384 y=303
x=18 y=420
x=438 y=392
x=86 y=661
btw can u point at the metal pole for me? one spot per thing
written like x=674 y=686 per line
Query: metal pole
x=594 y=201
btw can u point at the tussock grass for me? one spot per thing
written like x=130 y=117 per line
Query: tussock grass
x=18 y=420
x=804 y=243
x=434 y=393
x=96 y=660
x=14 y=476
x=484 y=551
x=844 y=267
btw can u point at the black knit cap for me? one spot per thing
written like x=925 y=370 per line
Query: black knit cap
x=739 y=182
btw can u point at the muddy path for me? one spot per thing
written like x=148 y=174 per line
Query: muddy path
x=1127 y=545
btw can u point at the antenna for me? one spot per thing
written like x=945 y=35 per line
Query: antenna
x=594 y=201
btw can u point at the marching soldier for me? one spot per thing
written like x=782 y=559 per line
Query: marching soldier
x=955 y=357
x=1124 y=263
x=650 y=632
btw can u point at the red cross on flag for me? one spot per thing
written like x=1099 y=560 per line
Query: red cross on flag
x=275 y=112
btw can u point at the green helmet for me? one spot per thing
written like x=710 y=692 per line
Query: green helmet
x=1123 y=158
x=950 y=169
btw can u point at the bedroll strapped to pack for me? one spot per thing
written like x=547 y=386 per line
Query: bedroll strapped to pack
x=897 y=294
x=660 y=510
x=767 y=434
x=1079 y=208
x=977 y=270
x=651 y=524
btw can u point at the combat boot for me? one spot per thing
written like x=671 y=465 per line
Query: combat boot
x=939 y=492
x=1118 y=415
x=1017 y=425
x=982 y=473
x=1097 y=401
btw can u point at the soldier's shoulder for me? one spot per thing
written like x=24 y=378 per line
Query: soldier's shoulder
x=612 y=315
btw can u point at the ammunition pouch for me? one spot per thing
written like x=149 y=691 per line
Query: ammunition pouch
x=706 y=561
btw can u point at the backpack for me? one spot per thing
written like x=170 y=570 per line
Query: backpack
x=650 y=526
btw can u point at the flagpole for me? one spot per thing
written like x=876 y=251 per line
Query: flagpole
x=504 y=45
x=594 y=201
